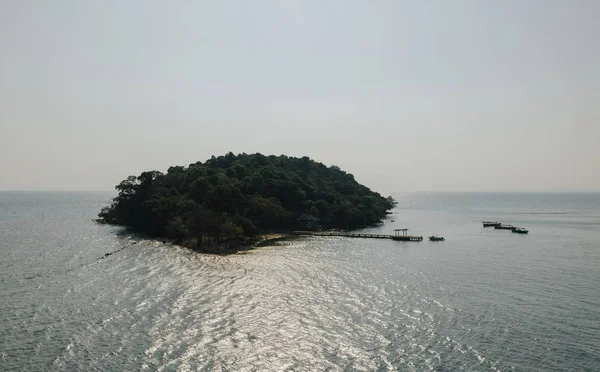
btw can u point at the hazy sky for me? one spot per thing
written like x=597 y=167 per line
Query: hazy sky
x=407 y=96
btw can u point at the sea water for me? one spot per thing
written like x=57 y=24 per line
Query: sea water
x=482 y=300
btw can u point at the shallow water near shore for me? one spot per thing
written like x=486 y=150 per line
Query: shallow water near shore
x=484 y=299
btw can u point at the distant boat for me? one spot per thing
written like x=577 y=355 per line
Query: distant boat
x=520 y=230
x=435 y=238
x=491 y=223
x=503 y=227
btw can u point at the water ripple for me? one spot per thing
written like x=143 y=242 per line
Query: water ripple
x=481 y=301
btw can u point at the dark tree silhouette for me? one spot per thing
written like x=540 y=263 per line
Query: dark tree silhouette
x=234 y=196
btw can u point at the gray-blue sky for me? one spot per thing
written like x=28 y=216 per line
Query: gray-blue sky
x=422 y=95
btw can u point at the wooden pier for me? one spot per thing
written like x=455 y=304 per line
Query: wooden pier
x=399 y=234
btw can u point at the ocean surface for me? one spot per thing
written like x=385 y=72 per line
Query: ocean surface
x=483 y=300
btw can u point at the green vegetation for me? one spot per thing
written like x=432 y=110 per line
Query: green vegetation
x=235 y=197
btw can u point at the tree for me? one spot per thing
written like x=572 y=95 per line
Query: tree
x=265 y=212
x=324 y=209
x=230 y=196
x=198 y=189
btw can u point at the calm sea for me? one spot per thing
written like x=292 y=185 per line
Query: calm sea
x=483 y=300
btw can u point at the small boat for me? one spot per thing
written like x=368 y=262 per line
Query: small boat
x=503 y=227
x=520 y=230
x=491 y=223
x=436 y=238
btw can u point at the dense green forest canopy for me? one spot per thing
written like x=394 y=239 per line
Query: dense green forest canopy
x=240 y=196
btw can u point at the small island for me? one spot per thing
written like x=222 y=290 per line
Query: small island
x=231 y=201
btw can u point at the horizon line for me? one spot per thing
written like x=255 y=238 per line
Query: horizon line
x=386 y=192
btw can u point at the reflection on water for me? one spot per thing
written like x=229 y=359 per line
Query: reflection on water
x=482 y=300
